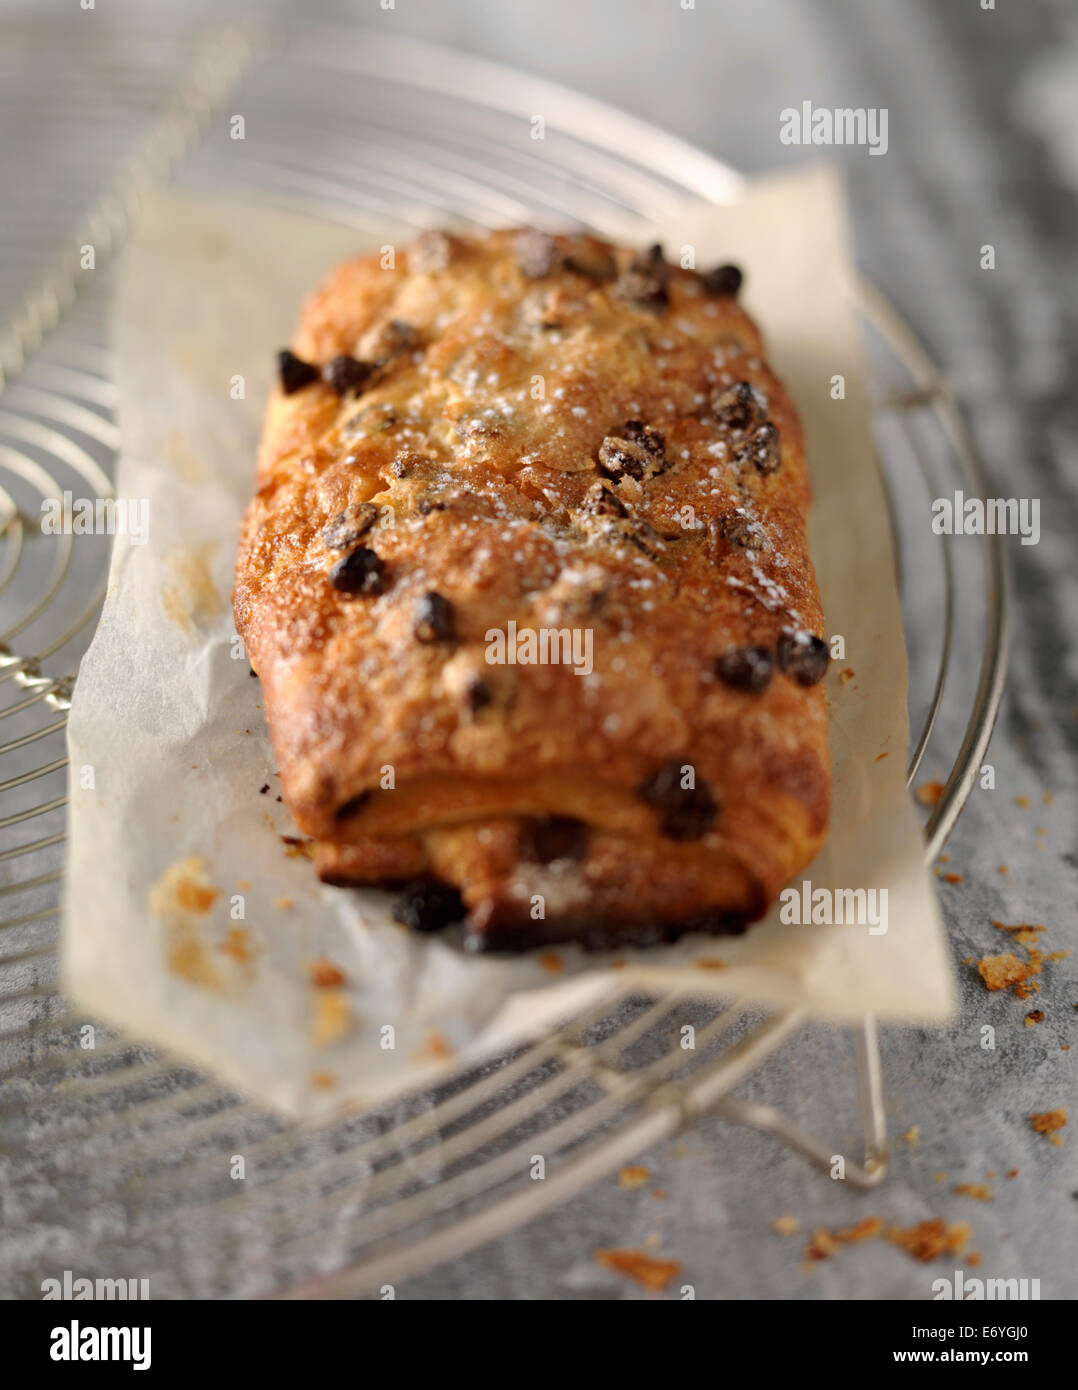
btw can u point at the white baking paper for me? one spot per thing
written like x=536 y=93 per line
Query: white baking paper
x=188 y=920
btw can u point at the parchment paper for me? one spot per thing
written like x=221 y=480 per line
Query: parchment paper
x=189 y=921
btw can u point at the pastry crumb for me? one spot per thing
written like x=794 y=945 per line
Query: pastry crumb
x=636 y=1265
x=633 y=1176
x=332 y=1016
x=1002 y=971
x=324 y=974
x=979 y=1191
x=928 y=1240
x=929 y=793
x=1048 y=1121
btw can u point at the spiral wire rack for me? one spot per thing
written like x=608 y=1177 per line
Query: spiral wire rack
x=114 y=1158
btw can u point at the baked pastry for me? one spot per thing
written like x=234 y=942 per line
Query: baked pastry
x=526 y=582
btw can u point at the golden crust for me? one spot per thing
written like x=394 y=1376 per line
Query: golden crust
x=480 y=446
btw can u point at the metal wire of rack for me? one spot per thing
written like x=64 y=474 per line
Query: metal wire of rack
x=117 y=1156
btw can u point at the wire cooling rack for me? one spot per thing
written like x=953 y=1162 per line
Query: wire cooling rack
x=114 y=1159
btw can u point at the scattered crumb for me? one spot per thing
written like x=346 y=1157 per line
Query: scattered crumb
x=323 y=1080
x=653 y=1241
x=297 y=849
x=1003 y=869
x=1048 y=798
x=710 y=963
x=968 y=960
x=979 y=1191
x=634 y=1264
x=1023 y=802
x=332 y=1016
x=324 y=974
x=1012 y=1172
x=437 y=1046
x=973 y=1259
x=824 y=1243
x=550 y=960
x=236 y=944
x=880 y=757
x=1002 y=971
x=1048 y=1121
x=929 y=793
x=659 y=1193
x=928 y=1240
x=864 y=1230
x=284 y=903
x=182 y=894
x=633 y=1176
x=952 y=878
x=621 y=964
x=912 y=1135
x=786 y=1225
x=945 y=859
x=1034 y=1017
x=847 y=675
x=940 y=1176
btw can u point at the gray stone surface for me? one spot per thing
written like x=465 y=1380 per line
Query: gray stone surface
x=983 y=148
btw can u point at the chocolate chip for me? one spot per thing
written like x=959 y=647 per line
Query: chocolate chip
x=736 y=528
x=636 y=450
x=347 y=526
x=294 y=372
x=430 y=252
x=649 y=438
x=763 y=449
x=724 y=279
x=347 y=374
x=647 y=539
x=600 y=501
x=804 y=657
x=686 y=813
x=428 y=904
x=745 y=668
x=351 y=806
x=739 y=406
x=548 y=838
x=433 y=619
x=478 y=695
x=592 y=259
x=645 y=282
x=361 y=572
x=536 y=253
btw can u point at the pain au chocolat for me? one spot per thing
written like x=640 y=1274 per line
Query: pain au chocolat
x=526 y=582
